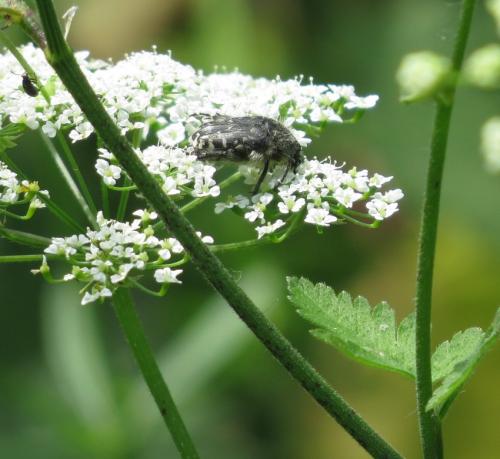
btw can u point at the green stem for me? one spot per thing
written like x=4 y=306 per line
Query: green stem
x=23 y=258
x=121 y=188
x=16 y=216
x=51 y=205
x=68 y=178
x=70 y=157
x=131 y=325
x=430 y=428
x=239 y=245
x=292 y=226
x=355 y=221
x=122 y=205
x=158 y=293
x=105 y=200
x=61 y=58
x=22 y=238
x=4 y=40
x=60 y=213
x=125 y=194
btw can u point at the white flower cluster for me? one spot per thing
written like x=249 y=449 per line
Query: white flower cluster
x=149 y=90
x=320 y=194
x=119 y=254
x=163 y=99
x=177 y=171
x=15 y=192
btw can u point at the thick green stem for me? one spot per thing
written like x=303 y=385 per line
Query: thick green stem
x=61 y=58
x=430 y=428
x=131 y=325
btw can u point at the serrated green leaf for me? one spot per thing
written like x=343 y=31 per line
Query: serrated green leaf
x=444 y=395
x=370 y=334
x=9 y=134
x=451 y=352
x=355 y=328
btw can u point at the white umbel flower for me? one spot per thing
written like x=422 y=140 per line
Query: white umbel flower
x=109 y=172
x=320 y=217
x=119 y=254
x=167 y=276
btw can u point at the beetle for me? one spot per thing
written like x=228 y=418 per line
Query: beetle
x=29 y=86
x=247 y=139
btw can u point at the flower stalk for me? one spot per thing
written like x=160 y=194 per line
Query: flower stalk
x=131 y=325
x=62 y=60
x=430 y=425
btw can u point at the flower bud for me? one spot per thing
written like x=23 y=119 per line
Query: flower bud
x=422 y=75
x=493 y=7
x=490 y=144
x=483 y=67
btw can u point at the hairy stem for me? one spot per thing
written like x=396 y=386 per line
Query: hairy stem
x=430 y=426
x=61 y=58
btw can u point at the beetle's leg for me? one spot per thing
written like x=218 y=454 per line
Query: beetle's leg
x=280 y=181
x=262 y=176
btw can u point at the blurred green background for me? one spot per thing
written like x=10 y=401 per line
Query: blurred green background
x=68 y=385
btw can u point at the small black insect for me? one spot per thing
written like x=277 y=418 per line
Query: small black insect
x=29 y=86
x=247 y=138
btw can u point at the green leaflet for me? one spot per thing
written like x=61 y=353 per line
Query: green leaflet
x=367 y=334
x=8 y=135
x=444 y=395
x=449 y=353
x=371 y=335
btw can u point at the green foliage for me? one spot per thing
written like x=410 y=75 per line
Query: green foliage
x=463 y=369
x=371 y=336
x=367 y=334
x=9 y=134
x=449 y=353
x=50 y=86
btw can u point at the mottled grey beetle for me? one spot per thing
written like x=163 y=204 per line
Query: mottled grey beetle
x=247 y=138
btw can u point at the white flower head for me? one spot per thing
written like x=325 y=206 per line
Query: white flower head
x=239 y=201
x=380 y=209
x=319 y=217
x=118 y=252
x=167 y=276
x=109 y=173
x=172 y=135
x=269 y=228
